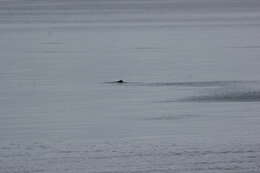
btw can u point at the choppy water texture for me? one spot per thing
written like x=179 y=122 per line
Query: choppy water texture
x=189 y=103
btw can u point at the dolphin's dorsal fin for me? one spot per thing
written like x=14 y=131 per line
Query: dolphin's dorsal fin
x=120 y=81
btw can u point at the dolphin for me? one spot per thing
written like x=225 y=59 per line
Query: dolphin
x=120 y=81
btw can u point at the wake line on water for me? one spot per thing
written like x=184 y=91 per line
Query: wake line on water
x=184 y=84
x=227 y=91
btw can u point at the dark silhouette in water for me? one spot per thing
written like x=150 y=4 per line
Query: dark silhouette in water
x=117 y=82
x=120 y=81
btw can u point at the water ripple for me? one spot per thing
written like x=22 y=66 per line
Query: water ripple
x=185 y=84
x=238 y=96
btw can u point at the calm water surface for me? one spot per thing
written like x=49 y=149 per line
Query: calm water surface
x=190 y=104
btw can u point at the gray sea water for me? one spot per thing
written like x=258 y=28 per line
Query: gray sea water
x=190 y=104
